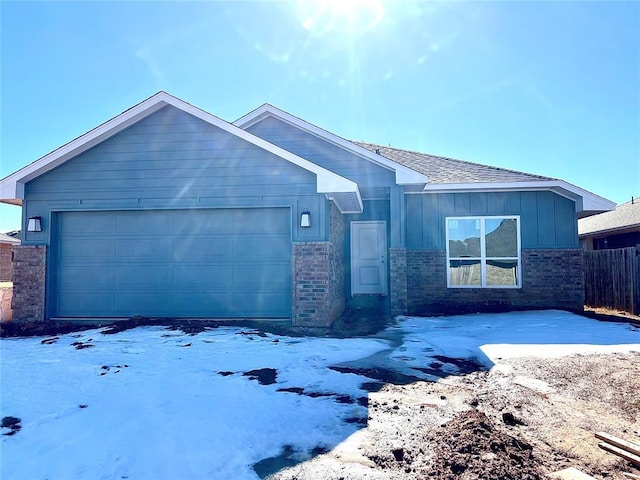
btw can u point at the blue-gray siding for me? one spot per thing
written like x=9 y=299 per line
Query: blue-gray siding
x=323 y=153
x=174 y=160
x=193 y=263
x=547 y=220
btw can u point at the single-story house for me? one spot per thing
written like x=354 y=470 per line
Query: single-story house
x=169 y=211
x=619 y=228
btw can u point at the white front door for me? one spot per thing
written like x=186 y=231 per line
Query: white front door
x=368 y=258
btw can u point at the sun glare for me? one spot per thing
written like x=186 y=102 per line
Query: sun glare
x=323 y=17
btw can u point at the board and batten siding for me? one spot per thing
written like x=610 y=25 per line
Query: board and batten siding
x=174 y=160
x=547 y=220
x=365 y=173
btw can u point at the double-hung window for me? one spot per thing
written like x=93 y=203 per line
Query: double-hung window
x=483 y=252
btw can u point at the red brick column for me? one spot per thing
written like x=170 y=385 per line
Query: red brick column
x=311 y=289
x=29 y=279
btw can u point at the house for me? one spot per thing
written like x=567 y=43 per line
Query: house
x=169 y=211
x=6 y=265
x=619 y=228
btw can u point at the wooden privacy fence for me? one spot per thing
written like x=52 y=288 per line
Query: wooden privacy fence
x=612 y=279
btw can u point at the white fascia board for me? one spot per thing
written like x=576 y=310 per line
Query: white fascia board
x=404 y=175
x=584 y=200
x=12 y=187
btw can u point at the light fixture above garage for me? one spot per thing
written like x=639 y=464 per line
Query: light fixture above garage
x=305 y=219
x=34 y=224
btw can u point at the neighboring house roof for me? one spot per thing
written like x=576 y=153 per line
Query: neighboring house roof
x=4 y=238
x=451 y=175
x=342 y=190
x=625 y=218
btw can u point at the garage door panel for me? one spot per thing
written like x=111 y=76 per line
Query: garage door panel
x=84 y=304
x=202 y=223
x=199 y=305
x=145 y=223
x=145 y=276
x=202 y=249
x=152 y=304
x=80 y=279
x=263 y=248
x=271 y=278
x=261 y=220
x=265 y=304
x=79 y=224
x=84 y=251
x=143 y=250
x=204 y=263
x=212 y=277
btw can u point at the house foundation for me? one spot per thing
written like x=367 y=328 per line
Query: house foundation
x=550 y=279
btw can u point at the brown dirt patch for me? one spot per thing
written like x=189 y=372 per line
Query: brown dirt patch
x=523 y=419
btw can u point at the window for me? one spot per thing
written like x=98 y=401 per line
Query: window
x=483 y=252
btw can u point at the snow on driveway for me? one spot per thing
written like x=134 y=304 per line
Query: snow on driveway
x=152 y=403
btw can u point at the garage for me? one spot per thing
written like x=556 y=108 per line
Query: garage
x=207 y=263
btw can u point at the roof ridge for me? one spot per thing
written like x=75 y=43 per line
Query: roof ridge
x=467 y=162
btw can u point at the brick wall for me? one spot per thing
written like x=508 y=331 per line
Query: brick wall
x=550 y=279
x=318 y=277
x=29 y=279
x=337 y=233
x=311 y=284
x=398 y=280
x=6 y=265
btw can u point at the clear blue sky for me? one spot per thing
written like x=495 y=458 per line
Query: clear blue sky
x=551 y=88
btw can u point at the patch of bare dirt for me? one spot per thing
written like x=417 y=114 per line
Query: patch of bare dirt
x=523 y=419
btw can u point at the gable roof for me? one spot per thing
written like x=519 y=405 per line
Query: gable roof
x=451 y=175
x=405 y=175
x=626 y=217
x=342 y=190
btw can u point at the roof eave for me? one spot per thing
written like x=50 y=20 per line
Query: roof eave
x=585 y=201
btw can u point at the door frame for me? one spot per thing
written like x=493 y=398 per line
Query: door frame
x=382 y=227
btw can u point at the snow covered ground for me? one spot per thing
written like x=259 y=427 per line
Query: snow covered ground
x=152 y=403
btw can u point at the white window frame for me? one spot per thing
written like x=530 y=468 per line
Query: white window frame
x=483 y=254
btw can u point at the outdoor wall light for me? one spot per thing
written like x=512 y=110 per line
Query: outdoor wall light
x=305 y=218
x=34 y=224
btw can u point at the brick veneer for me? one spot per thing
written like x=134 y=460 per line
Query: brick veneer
x=6 y=265
x=398 y=280
x=337 y=233
x=550 y=279
x=29 y=279
x=318 y=277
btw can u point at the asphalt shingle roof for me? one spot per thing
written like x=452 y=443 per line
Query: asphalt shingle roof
x=443 y=170
x=625 y=216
